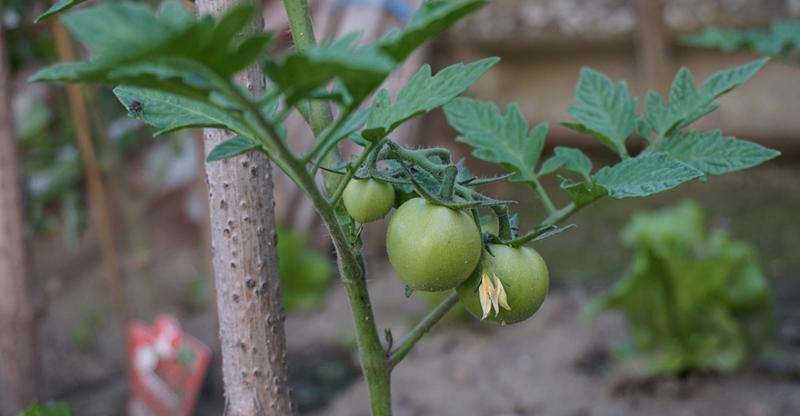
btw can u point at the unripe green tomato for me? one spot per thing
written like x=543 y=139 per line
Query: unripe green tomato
x=525 y=279
x=490 y=224
x=367 y=200
x=432 y=247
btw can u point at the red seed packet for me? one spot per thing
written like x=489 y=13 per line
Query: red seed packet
x=166 y=367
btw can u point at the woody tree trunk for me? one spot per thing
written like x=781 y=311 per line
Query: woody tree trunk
x=245 y=262
x=18 y=353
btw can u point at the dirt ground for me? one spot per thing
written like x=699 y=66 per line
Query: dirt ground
x=558 y=363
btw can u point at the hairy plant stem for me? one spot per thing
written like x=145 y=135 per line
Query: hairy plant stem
x=448 y=182
x=318 y=114
x=322 y=142
x=504 y=230
x=374 y=362
x=546 y=201
x=422 y=328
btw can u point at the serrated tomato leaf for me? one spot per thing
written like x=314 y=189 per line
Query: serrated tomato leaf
x=712 y=153
x=687 y=104
x=59 y=7
x=431 y=19
x=603 y=109
x=423 y=93
x=232 y=148
x=645 y=175
x=568 y=158
x=582 y=193
x=170 y=112
x=359 y=69
x=168 y=49
x=496 y=137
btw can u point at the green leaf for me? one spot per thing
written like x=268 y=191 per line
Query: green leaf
x=498 y=138
x=687 y=104
x=604 y=110
x=645 y=175
x=582 y=193
x=712 y=37
x=722 y=82
x=643 y=128
x=571 y=159
x=422 y=94
x=359 y=69
x=712 y=153
x=305 y=273
x=353 y=123
x=59 y=7
x=782 y=39
x=170 y=112
x=117 y=30
x=167 y=50
x=432 y=18
x=232 y=148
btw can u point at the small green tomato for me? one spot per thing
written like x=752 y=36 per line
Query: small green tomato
x=367 y=200
x=509 y=287
x=432 y=247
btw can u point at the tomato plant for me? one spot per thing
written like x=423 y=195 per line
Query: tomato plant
x=434 y=238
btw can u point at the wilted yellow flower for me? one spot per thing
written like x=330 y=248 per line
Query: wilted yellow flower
x=492 y=295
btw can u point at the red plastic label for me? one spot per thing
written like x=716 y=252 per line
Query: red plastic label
x=166 y=367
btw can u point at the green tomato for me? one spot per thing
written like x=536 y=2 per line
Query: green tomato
x=525 y=279
x=367 y=200
x=490 y=224
x=432 y=247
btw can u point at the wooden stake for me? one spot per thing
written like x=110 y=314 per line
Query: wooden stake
x=97 y=196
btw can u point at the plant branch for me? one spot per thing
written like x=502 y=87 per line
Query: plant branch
x=319 y=113
x=351 y=264
x=553 y=219
x=321 y=144
x=421 y=329
x=546 y=201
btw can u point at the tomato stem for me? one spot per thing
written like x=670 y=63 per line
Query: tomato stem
x=318 y=114
x=546 y=201
x=448 y=182
x=421 y=329
x=504 y=224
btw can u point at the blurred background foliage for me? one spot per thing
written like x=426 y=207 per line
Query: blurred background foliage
x=305 y=273
x=693 y=298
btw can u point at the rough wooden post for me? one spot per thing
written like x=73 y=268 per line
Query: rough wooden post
x=652 y=45
x=244 y=241
x=18 y=349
